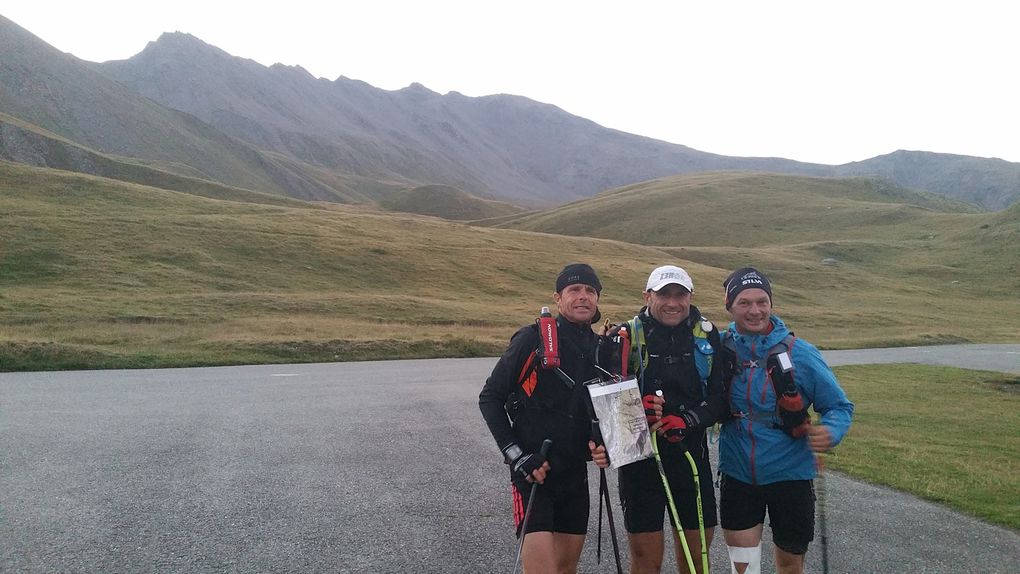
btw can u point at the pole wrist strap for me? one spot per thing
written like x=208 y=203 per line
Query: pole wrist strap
x=512 y=453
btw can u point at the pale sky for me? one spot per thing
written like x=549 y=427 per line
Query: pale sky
x=815 y=80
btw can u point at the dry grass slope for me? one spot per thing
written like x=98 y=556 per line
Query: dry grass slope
x=95 y=272
x=447 y=202
x=855 y=261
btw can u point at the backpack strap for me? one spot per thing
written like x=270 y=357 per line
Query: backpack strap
x=528 y=378
x=784 y=346
x=636 y=329
x=704 y=353
x=789 y=403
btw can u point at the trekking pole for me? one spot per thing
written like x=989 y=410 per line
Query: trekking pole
x=604 y=491
x=701 y=514
x=596 y=436
x=672 y=505
x=821 y=513
x=625 y=352
x=669 y=497
x=598 y=546
x=527 y=512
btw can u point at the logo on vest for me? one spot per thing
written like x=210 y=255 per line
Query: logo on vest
x=550 y=344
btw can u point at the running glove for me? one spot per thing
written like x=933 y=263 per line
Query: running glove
x=653 y=408
x=523 y=463
x=674 y=426
x=527 y=464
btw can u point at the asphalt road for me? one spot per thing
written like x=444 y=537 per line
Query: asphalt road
x=350 y=467
x=1002 y=358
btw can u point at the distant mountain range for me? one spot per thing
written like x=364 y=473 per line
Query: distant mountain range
x=186 y=109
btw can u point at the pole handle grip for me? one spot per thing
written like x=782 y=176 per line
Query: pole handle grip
x=544 y=450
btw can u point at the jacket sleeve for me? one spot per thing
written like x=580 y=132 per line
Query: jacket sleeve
x=493 y=397
x=715 y=407
x=820 y=387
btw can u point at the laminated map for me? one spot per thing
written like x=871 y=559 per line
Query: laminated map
x=621 y=418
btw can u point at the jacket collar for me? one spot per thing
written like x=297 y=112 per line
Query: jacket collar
x=582 y=329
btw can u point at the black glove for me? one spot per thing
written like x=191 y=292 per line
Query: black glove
x=528 y=464
x=522 y=463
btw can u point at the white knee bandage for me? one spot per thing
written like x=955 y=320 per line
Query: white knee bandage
x=745 y=555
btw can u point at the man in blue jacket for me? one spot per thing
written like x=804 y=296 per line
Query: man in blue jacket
x=767 y=447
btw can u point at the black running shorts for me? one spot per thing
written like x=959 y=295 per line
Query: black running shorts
x=561 y=502
x=643 y=496
x=790 y=505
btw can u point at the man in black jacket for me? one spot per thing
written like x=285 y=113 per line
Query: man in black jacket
x=523 y=404
x=673 y=350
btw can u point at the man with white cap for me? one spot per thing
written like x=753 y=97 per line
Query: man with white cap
x=672 y=351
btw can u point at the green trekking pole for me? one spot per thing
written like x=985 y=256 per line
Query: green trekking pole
x=701 y=514
x=544 y=451
x=672 y=505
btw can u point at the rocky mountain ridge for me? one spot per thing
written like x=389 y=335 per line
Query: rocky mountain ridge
x=184 y=106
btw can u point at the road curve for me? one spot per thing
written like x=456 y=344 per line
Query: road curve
x=987 y=357
x=349 y=467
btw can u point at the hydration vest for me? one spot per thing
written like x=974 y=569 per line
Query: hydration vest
x=789 y=404
x=703 y=351
x=528 y=381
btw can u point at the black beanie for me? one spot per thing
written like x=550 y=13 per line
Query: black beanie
x=578 y=273
x=745 y=278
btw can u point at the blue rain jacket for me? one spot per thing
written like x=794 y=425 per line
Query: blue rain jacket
x=752 y=447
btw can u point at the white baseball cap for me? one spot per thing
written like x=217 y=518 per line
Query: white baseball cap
x=662 y=276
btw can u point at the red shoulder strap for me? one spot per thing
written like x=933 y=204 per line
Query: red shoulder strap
x=528 y=378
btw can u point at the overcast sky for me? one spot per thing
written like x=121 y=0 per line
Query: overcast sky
x=815 y=80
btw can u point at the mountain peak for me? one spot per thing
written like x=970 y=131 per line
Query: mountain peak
x=181 y=40
x=181 y=45
x=417 y=88
x=296 y=69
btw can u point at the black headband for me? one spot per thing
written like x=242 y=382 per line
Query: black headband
x=578 y=273
x=745 y=278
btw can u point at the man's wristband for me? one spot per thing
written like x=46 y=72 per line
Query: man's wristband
x=512 y=453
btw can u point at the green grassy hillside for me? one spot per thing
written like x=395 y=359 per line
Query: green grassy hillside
x=880 y=257
x=95 y=272
x=447 y=202
x=103 y=273
x=741 y=209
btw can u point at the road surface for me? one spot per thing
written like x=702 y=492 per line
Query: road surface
x=382 y=467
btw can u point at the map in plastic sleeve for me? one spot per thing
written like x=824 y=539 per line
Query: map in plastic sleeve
x=622 y=421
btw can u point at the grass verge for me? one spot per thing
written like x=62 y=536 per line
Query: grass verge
x=947 y=435
x=48 y=356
